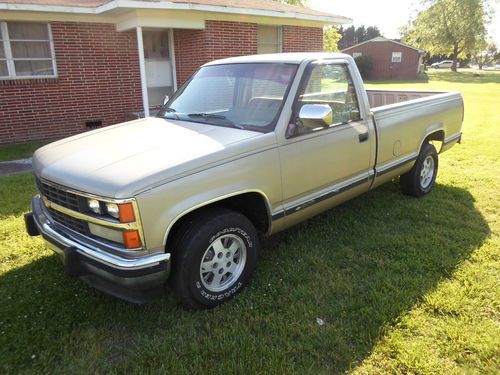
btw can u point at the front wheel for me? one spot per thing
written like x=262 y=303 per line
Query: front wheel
x=420 y=179
x=214 y=256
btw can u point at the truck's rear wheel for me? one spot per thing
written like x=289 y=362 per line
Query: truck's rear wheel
x=214 y=256
x=420 y=179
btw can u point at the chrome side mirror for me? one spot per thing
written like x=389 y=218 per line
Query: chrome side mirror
x=316 y=115
x=166 y=99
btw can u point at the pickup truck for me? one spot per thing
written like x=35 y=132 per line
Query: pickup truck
x=248 y=146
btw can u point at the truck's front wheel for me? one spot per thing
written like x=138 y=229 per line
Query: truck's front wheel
x=420 y=179
x=214 y=257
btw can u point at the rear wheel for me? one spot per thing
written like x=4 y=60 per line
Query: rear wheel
x=214 y=256
x=420 y=179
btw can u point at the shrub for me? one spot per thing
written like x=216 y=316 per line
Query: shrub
x=365 y=65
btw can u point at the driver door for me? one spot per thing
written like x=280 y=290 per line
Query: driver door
x=325 y=164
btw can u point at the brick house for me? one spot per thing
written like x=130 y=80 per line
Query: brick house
x=391 y=59
x=67 y=66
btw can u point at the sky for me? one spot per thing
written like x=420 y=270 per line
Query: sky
x=387 y=15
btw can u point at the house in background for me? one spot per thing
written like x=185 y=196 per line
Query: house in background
x=392 y=60
x=67 y=66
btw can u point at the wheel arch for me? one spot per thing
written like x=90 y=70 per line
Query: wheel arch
x=253 y=204
x=433 y=135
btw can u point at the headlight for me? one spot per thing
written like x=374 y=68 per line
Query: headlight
x=94 y=206
x=113 y=210
x=124 y=212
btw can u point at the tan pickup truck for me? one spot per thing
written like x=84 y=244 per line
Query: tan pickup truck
x=247 y=145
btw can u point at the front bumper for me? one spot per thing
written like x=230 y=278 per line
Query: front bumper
x=136 y=280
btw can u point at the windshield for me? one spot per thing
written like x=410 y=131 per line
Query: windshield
x=245 y=96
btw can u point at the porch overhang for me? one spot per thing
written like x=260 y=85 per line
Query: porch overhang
x=128 y=14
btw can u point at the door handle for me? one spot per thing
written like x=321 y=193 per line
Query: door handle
x=363 y=137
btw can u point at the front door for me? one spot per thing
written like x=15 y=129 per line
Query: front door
x=158 y=66
x=323 y=162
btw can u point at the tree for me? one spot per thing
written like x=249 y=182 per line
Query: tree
x=360 y=34
x=488 y=55
x=331 y=39
x=372 y=32
x=352 y=36
x=449 y=27
x=348 y=37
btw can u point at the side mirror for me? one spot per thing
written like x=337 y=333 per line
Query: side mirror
x=316 y=115
x=166 y=99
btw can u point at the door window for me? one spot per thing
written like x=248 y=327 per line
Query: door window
x=326 y=85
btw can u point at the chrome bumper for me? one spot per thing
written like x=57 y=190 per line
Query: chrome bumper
x=133 y=279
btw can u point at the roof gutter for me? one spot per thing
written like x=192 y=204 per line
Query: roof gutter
x=47 y=8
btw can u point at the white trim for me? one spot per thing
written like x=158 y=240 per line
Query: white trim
x=133 y=4
x=382 y=39
x=142 y=68
x=147 y=18
x=4 y=32
x=333 y=19
x=398 y=55
x=47 y=8
x=52 y=50
x=171 y=51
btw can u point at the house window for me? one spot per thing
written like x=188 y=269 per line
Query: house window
x=268 y=39
x=396 y=57
x=26 y=50
x=356 y=54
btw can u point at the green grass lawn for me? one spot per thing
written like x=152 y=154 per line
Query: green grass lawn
x=19 y=151
x=403 y=285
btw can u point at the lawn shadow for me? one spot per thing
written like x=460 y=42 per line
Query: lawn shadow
x=359 y=267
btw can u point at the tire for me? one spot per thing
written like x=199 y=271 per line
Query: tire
x=214 y=256
x=420 y=179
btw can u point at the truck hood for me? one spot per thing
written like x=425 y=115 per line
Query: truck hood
x=122 y=160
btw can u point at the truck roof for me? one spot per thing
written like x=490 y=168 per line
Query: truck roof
x=291 y=58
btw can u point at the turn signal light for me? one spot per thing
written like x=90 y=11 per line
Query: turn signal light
x=126 y=212
x=131 y=239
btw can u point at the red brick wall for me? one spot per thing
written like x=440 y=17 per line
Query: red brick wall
x=222 y=39
x=302 y=39
x=218 y=40
x=383 y=67
x=98 y=79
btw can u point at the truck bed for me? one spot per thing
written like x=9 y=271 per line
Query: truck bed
x=404 y=118
x=379 y=98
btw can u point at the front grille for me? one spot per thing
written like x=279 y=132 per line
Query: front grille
x=78 y=225
x=58 y=195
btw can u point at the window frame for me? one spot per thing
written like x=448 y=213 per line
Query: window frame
x=397 y=53
x=10 y=60
x=302 y=86
x=267 y=129
x=279 y=41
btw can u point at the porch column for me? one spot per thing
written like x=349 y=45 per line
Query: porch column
x=142 y=67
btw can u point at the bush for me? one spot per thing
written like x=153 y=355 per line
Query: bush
x=365 y=65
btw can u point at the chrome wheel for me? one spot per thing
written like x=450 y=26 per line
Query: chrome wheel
x=223 y=262
x=427 y=172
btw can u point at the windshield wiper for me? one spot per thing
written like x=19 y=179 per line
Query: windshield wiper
x=164 y=111
x=205 y=115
